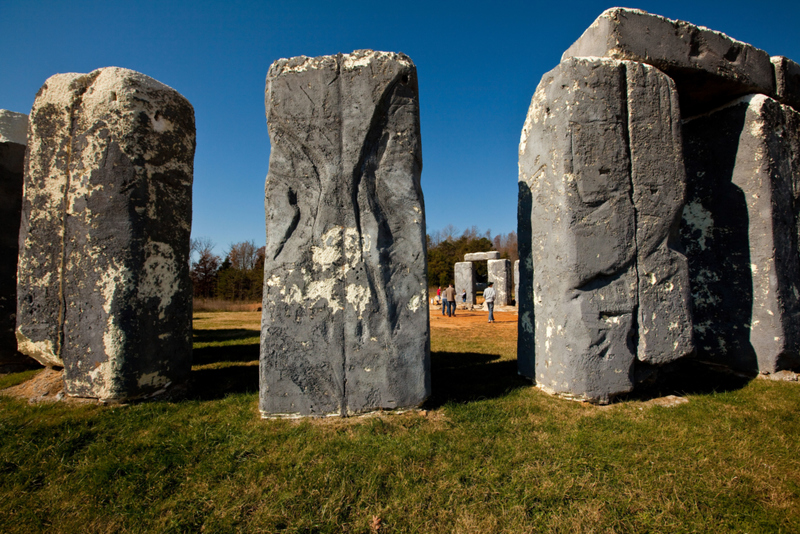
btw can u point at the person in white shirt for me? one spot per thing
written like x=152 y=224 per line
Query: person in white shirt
x=488 y=298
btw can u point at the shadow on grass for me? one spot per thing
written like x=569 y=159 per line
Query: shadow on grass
x=228 y=369
x=232 y=334
x=455 y=377
x=685 y=377
x=465 y=377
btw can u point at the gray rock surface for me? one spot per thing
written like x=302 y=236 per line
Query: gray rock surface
x=13 y=139
x=516 y=282
x=658 y=179
x=500 y=274
x=465 y=280
x=740 y=234
x=708 y=67
x=345 y=316
x=599 y=221
x=787 y=81
x=482 y=256
x=104 y=287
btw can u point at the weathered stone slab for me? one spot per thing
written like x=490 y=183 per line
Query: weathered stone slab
x=596 y=224
x=709 y=68
x=13 y=139
x=465 y=281
x=345 y=321
x=787 y=81
x=482 y=256
x=104 y=287
x=739 y=230
x=500 y=274
x=658 y=178
x=516 y=282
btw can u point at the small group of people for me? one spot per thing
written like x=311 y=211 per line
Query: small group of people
x=448 y=300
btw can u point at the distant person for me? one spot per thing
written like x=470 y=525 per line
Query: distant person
x=488 y=298
x=450 y=299
x=464 y=298
x=442 y=300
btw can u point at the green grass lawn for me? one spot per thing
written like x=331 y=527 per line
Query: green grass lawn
x=490 y=454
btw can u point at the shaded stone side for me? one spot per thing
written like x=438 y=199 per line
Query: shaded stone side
x=739 y=229
x=787 y=81
x=104 y=287
x=526 y=336
x=516 y=282
x=13 y=140
x=500 y=273
x=592 y=203
x=345 y=317
x=465 y=281
x=709 y=68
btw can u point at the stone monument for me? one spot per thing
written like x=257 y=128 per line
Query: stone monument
x=103 y=277
x=465 y=281
x=345 y=316
x=500 y=275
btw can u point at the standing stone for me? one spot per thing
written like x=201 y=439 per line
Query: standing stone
x=598 y=223
x=516 y=282
x=345 y=322
x=104 y=287
x=13 y=139
x=482 y=256
x=500 y=274
x=465 y=281
x=740 y=233
x=708 y=67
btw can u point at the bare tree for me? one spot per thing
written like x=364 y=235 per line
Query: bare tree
x=449 y=233
x=200 y=246
x=243 y=255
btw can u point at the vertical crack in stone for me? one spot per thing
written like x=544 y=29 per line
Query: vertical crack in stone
x=62 y=299
x=626 y=134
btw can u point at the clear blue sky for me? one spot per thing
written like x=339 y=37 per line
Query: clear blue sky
x=478 y=65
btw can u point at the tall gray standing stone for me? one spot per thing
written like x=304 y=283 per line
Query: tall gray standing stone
x=13 y=140
x=601 y=227
x=740 y=234
x=345 y=317
x=104 y=287
x=500 y=274
x=465 y=280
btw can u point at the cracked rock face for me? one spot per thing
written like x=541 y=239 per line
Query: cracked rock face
x=601 y=188
x=708 y=67
x=345 y=315
x=13 y=139
x=740 y=234
x=104 y=287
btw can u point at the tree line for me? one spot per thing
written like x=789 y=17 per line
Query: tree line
x=239 y=275
x=446 y=247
